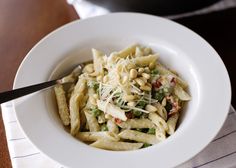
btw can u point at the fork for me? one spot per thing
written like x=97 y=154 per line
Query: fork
x=16 y=93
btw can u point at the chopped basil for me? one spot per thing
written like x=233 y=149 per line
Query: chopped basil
x=141 y=104
x=146 y=145
x=96 y=112
x=151 y=131
x=94 y=85
x=154 y=72
x=137 y=113
x=159 y=95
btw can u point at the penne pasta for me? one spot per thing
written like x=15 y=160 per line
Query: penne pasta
x=161 y=111
x=92 y=122
x=98 y=61
x=74 y=105
x=165 y=71
x=138 y=52
x=145 y=61
x=158 y=121
x=136 y=123
x=94 y=136
x=172 y=121
x=62 y=104
x=160 y=133
x=112 y=127
x=129 y=51
x=182 y=95
x=138 y=136
x=116 y=146
x=126 y=101
x=111 y=109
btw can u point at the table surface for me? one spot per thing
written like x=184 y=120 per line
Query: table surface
x=24 y=22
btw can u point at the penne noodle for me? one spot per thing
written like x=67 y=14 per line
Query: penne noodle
x=161 y=111
x=129 y=51
x=112 y=127
x=165 y=71
x=158 y=121
x=116 y=146
x=94 y=136
x=92 y=122
x=145 y=61
x=74 y=114
x=74 y=105
x=172 y=121
x=138 y=52
x=160 y=133
x=147 y=51
x=182 y=95
x=111 y=109
x=138 y=136
x=62 y=104
x=136 y=123
x=98 y=61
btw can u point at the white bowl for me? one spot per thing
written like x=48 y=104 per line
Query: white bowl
x=180 y=48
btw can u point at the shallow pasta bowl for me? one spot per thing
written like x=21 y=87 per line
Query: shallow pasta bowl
x=179 y=48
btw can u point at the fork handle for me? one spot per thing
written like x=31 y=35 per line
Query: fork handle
x=16 y=93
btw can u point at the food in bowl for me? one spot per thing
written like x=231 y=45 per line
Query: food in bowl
x=126 y=101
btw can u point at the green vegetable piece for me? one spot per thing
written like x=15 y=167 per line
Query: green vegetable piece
x=137 y=113
x=159 y=95
x=146 y=145
x=104 y=127
x=96 y=86
x=141 y=104
x=154 y=72
x=168 y=106
x=96 y=112
x=151 y=131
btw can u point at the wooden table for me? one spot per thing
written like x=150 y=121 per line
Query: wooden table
x=24 y=22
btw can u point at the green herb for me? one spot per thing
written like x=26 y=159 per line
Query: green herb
x=168 y=106
x=141 y=104
x=154 y=72
x=137 y=113
x=146 y=145
x=94 y=85
x=118 y=102
x=117 y=94
x=96 y=112
x=104 y=127
x=151 y=131
x=159 y=95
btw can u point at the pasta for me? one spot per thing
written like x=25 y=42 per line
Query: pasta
x=125 y=101
x=62 y=105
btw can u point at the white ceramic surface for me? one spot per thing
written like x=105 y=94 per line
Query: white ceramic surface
x=180 y=48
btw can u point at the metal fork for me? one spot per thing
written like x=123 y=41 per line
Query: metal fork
x=16 y=93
